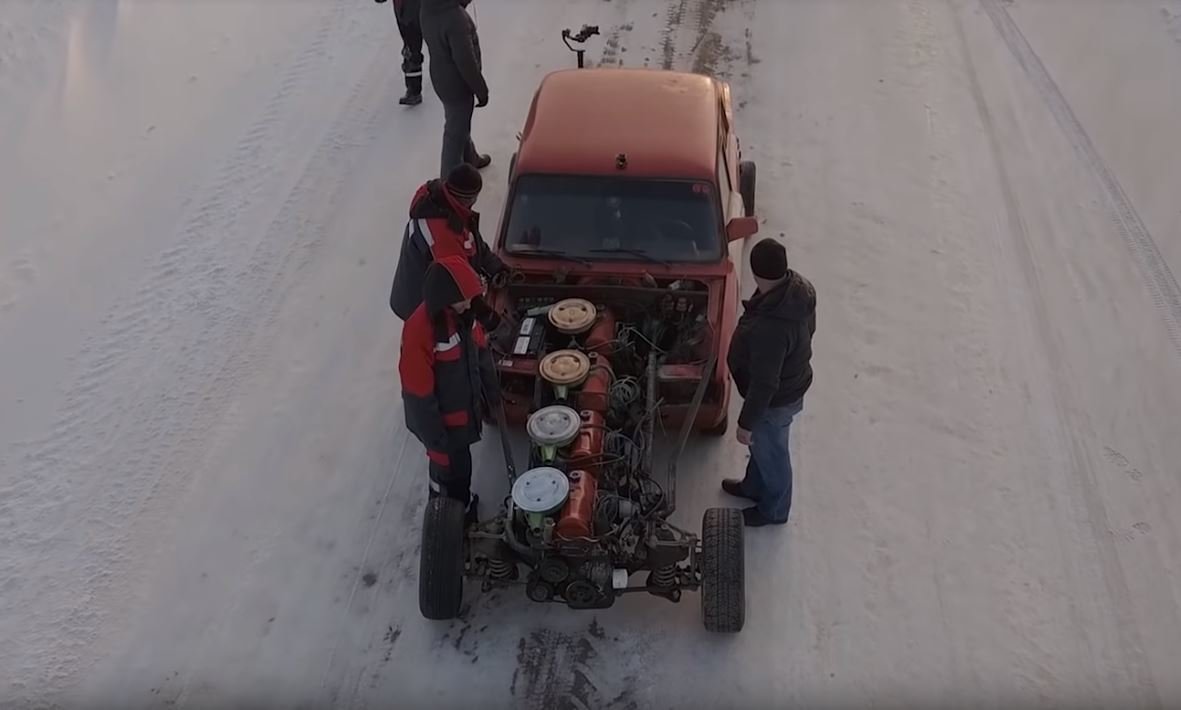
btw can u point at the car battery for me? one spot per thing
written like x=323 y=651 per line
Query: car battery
x=530 y=336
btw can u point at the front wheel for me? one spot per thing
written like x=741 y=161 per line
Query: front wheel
x=723 y=571
x=440 y=569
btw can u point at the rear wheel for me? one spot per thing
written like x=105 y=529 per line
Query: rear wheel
x=440 y=570
x=746 y=186
x=723 y=571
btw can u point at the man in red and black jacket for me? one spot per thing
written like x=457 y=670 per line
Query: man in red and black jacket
x=443 y=223
x=448 y=380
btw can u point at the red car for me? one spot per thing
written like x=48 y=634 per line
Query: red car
x=626 y=199
x=632 y=179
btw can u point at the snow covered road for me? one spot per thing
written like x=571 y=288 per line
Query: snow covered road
x=207 y=496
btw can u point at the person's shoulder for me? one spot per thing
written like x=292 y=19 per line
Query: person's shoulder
x=802 y=290
x=417 y=328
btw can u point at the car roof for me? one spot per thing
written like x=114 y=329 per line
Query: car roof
x=665 y=122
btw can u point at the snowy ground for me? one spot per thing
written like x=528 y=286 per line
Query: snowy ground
x=207 y=496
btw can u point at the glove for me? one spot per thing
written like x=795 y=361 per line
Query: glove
x=482 y=101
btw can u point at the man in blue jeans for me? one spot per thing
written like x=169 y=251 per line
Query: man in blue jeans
x=770 y=361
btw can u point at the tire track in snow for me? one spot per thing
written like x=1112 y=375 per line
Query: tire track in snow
x=306 y=211
x=1158 y=277
x=155 y=382
x=695 y=46
x=569 y=671
x=1136 y=668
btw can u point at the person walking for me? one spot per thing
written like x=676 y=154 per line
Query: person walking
x=770 y=360
x=457 y=75
x=406 y=13
x=447 y=375
x=443 y=222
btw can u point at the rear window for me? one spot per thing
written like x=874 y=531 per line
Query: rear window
x=604 y=218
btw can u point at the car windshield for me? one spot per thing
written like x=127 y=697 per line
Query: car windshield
x=599 y=218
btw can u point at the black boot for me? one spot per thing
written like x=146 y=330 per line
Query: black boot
x=413 y=95
x=481 y=161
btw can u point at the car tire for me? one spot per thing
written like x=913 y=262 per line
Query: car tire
x=719 y=429
x=747 y=174
x=440 y=569
x=723 y=571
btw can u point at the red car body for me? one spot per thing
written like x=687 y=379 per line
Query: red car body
x=640 y=124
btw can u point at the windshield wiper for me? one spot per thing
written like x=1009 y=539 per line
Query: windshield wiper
x=552 y=254
x=634 y=252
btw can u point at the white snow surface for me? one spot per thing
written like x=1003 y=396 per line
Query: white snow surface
x=207 y=494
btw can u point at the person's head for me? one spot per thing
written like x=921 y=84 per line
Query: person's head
x=464 y=183
x=450 y=283
x=768 y=264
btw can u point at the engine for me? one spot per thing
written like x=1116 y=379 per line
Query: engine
x=586 y=513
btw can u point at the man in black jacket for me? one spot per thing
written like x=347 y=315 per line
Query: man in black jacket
x=406 y=12
x=458 y=78
x=770 y=361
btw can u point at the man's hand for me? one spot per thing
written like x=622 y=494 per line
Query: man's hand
x=482 y=101
x=743 y=436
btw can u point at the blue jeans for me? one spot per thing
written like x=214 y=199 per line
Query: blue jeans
x=458 y=147
x=768 y=473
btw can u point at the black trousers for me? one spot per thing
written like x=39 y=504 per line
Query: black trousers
x=412 y=57
x=455 y=479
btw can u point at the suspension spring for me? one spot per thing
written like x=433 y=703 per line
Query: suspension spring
x=664 y=577
x=499 y=569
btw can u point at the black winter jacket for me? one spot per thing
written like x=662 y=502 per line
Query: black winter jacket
x=407 y=11
x=454 y=48
x=771 y=352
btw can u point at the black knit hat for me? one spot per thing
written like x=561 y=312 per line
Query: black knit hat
x=768 y=260
x=464 y=182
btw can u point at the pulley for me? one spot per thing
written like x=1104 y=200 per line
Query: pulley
x=572 y=316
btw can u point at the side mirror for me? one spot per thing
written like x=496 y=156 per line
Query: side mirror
x=740 y=228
